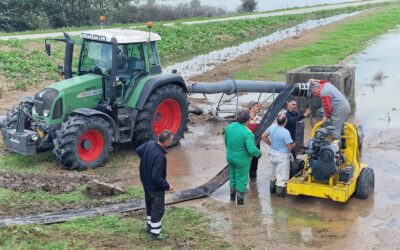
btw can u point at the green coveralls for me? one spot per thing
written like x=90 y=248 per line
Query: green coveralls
x=240 y=149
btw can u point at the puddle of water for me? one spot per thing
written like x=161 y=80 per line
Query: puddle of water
x=206 y=62
x=378 y=82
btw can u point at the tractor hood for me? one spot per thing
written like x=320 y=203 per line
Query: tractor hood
x=58 y=99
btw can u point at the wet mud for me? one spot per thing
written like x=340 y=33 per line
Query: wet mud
x=266 y=221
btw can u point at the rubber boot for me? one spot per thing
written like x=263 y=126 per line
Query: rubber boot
x=253 y=175
x=272 y=187
x=280 y=191
x=233 y=194
x=240 y=198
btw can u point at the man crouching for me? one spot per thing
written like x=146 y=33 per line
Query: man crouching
x=153 y=174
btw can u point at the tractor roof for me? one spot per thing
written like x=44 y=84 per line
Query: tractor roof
x=122 y=35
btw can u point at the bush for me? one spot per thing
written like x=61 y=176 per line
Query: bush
x=248 y=6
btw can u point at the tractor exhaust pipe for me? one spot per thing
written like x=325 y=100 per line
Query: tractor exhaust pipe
x=69 y=52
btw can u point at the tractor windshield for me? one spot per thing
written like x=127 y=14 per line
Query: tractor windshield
x=96 y=56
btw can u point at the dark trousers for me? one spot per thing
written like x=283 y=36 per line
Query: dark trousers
x=155 y=207
x=254 y=165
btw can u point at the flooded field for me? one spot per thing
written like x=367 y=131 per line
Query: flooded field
x=266 y=221
x=206 y=62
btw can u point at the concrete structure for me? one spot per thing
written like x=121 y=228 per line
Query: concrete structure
x=343 y=77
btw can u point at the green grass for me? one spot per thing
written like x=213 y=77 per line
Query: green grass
x=21 y=163
x=36 y=200
x=127 y=25
x=182 y=42
x=333 y=47
x=185 y=227
x=24 y=63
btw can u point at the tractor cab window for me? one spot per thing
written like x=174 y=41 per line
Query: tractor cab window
x=154 y=61
x=96 y=57
x=134 y=60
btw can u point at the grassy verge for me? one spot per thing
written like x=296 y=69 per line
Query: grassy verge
x=36 y=201
x=333 y=47
x=24 y=63
x=185 y=227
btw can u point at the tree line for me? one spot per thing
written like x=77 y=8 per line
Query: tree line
x=24 y=15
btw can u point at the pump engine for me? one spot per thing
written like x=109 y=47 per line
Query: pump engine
x=323 y=154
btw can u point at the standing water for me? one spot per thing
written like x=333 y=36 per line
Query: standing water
x=378 y=82
x=206 y=62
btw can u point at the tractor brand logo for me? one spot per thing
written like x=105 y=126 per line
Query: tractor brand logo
x=16 y=141
x=90 y=93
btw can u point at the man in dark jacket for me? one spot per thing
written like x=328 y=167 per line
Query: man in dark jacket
x=293 y=117
x=153 y=174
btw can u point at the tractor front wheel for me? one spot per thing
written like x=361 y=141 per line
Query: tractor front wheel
x=365 y=183
x=166 y=108
x=12 y=116
x=83 y=142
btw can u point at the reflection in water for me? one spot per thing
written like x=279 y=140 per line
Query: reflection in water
x=378 y=82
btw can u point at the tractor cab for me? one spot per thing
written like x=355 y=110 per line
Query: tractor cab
x=136 y=56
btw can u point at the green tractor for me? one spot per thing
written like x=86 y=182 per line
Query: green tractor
x=118 y=95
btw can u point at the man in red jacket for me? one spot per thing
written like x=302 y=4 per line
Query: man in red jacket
x=153 y=175
x=335 y=105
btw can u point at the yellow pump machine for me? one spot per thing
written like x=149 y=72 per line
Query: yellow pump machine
x=333 y=169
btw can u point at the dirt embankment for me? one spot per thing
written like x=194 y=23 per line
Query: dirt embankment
x=261 y=55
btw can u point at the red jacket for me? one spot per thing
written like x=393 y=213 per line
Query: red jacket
x=325 y=100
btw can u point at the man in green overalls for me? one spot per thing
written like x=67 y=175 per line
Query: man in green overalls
x=240 y=149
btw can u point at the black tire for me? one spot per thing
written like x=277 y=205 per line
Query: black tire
x=144 y=130
x=365 y=183
x=67 y=144
x=296 y=167
x=12 y=116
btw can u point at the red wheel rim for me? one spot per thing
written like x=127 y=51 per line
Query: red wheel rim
x=91 y=145
x=168 y=115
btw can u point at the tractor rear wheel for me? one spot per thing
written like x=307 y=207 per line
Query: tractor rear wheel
x=83 y=142
x=12 y=116
x=166 y=108
x=365 y=183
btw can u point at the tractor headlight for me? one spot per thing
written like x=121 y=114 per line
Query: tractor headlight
x=46 y=112
x=34 y=137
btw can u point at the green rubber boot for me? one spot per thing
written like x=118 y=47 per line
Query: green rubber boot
x=233 y=194
x=240 y=198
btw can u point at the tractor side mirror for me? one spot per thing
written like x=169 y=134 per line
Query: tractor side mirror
x=48 y=48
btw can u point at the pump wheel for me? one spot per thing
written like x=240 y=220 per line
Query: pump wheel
x=12 y=116
x=365 y=183
x=83 y=142
x=166 y=108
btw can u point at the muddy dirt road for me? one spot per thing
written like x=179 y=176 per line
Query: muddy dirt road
x=266 y=221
